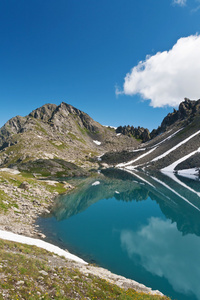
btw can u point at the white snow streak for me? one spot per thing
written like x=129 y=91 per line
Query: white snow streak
x=169 y=137
x=9 y=236
x=175 y=147
x=97 y=142
x=137 y=150
x=132 y=161
x=171 y=167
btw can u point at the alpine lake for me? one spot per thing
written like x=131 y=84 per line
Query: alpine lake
x=142 y=226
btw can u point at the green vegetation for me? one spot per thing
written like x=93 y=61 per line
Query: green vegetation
x=6 y=202
x=39 y=128
x=55 y=168
x=74 y=137
x=28 y=272
x=58 y=145
x=84 y=130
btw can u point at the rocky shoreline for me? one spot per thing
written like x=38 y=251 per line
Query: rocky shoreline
x=20 y=218
x=31 y=199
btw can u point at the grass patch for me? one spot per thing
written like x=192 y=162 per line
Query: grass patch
x=60 y=147
x=39 y=128
x=59 y=188
x=27 y=273
x=74 y=137
x=6 y=202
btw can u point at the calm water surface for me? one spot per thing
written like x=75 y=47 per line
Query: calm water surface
x=144 y=227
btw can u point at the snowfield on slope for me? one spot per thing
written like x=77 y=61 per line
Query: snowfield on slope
x=9 y=236
x=175 y=147
x=171 y=167
x=168 y=138
x=122 y=165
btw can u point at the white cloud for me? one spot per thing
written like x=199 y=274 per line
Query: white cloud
x=169 y=76
x=179 y=2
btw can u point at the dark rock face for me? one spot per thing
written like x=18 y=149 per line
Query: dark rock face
x=57 y=116
x=43 y=113
x=140 y=133
x=13 y=126
x=188 y=110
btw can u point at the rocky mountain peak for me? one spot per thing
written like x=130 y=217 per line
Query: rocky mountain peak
x=140 y=133
x=63 y=116
x=188 y=110
x=44 y=112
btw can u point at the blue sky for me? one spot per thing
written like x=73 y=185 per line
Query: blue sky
x=79 y=51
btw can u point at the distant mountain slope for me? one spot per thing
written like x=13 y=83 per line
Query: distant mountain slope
x=175 y=146
x=55 y=133
x=64 y=141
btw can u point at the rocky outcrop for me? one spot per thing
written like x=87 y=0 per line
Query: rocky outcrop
x=13 y=126
x=139 y=133
x=187 y=111
x=43 y=113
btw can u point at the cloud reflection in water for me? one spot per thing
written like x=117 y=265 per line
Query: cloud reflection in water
x=165 y=252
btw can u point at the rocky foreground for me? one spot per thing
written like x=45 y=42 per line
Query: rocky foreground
x=22 y=199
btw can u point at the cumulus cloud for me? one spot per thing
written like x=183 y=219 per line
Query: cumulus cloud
x=169 y=76
x=179 y=2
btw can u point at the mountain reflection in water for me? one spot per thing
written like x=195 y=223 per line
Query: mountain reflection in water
x=153 y=239
x=125 y=186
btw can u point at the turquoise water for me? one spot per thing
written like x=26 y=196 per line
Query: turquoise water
x=144 y=227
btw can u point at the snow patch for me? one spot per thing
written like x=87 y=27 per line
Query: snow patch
x=137 y=150
x=96 y=183
x=110 y=126
x=97 y=142
x=9 y=236
x=189 y=173
x=99 y=158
